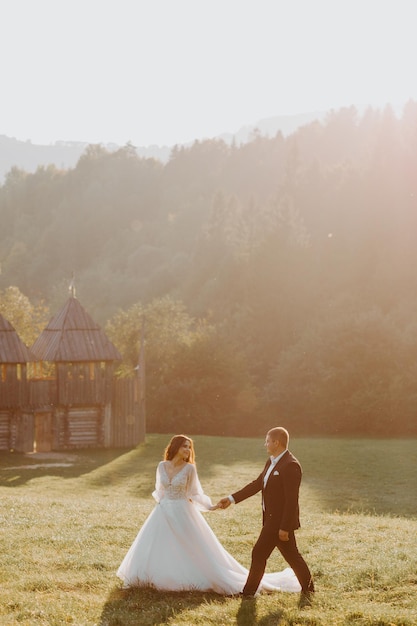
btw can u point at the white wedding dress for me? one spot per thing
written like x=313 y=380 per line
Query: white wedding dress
x=176 y=550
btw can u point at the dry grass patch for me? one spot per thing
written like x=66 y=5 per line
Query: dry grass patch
x=64 y=531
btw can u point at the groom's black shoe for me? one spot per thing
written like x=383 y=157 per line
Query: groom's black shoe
x=306 y=599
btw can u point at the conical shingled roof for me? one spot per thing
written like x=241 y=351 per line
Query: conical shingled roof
x=12 y=348
x=73 y=336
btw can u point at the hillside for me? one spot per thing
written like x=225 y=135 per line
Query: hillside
x=298 y=250
x=28 y=156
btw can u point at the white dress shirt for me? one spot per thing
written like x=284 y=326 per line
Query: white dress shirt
x=274 y=461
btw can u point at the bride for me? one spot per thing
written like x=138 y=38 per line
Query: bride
x=176 y=550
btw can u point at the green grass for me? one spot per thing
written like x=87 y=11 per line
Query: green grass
x=65 y=530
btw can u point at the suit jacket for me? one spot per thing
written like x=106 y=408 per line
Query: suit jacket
x=280 y=494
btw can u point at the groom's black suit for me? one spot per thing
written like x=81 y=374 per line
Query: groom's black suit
x=280 y=512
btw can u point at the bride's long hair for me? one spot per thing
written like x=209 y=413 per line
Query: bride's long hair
x=175 y=444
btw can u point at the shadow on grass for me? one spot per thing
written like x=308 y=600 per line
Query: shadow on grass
x=148 y=607
x=353 y=475
x=210 y=451
x=246 y=615
x=17 y=469
x=354 y=478
x=103 y=467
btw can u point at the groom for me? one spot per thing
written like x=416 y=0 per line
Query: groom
x=279 y=482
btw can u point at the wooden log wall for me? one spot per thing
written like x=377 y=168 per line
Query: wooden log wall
x=16 y=430
x=84 y=427
x=5 y=439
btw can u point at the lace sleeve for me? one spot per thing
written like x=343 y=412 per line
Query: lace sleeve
x=195 y=491
x=158 y=492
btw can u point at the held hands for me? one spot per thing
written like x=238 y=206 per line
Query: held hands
x=222 y=504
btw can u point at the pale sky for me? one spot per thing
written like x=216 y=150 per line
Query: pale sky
x=171 y=71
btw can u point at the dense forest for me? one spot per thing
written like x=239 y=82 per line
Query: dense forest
x=276 y=279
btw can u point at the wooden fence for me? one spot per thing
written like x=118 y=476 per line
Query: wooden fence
x=13 y=389
x=127 y=414
x=45 y=425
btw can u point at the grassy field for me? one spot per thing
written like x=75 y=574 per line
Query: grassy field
x=68 y=520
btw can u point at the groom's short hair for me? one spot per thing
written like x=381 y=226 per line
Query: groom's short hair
x=280 y=434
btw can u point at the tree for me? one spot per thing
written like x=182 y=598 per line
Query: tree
x=196 y=379
x=337 y=379
x=207 y=390
x=27 y=319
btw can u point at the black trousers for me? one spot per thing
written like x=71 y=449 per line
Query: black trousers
x=267 y=541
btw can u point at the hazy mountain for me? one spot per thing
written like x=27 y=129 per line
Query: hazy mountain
x=269 y=127
x=64 y=154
